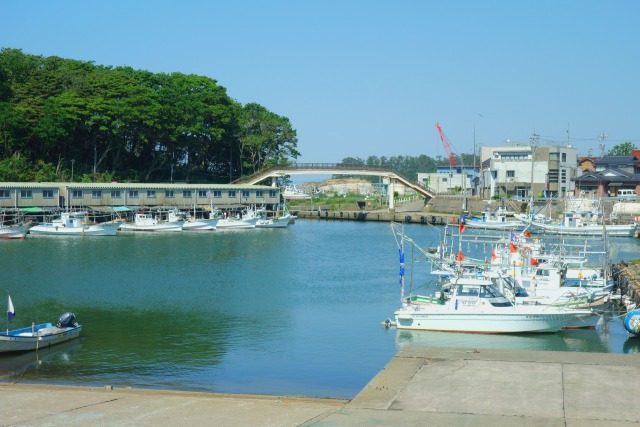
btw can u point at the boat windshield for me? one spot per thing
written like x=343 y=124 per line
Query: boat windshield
x=481 y=291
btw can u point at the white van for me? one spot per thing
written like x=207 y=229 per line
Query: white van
x=627 y=194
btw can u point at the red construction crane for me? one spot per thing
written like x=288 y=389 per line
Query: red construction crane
x=447 y=147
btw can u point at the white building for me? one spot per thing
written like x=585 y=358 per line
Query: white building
x=518 y=170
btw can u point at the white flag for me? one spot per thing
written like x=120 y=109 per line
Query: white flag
x=11 y=312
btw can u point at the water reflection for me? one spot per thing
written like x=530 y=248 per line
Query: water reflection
x=14 y=366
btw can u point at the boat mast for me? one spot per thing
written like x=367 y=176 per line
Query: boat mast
x=401 y=253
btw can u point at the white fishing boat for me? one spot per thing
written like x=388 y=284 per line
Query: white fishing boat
x=39 y=336
x=468 y=303
x=75 y=224
x=272 y=222
x=169 y=221
x=294 y=193
x=582 y=223
x=240 y=221
x=493 y=221
x=18 y=232
x=476 y=305
x=201 y=224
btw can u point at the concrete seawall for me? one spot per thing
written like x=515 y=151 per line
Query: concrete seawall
x=379 y=216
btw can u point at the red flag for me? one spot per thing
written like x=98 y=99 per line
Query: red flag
x=527 y=234
x=460 y=256
x=462 y=227
x=493 y=255
x=534 y=262
x=513 y=248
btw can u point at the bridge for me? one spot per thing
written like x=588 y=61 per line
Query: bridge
x=336 y=169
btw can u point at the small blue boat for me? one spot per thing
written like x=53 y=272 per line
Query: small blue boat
x=39 y=336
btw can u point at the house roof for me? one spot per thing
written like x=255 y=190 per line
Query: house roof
x=617 y=160
x=608 y=176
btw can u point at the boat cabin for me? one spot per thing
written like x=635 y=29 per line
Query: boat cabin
x=473 y=292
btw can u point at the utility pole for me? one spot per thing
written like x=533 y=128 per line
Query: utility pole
x=603 y=141
x=534 y=143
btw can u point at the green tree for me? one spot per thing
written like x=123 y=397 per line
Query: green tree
x=130 y=124
x=265 y=138
x=623 y=149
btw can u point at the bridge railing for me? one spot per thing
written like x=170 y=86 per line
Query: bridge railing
x=333 y=166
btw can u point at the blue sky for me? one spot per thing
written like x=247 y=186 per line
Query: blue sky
x=371 y=78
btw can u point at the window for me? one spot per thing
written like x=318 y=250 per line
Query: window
x=564 y=157
x=115 y=194
x=186 y=194
x=151 y=194
x=510 y=155
x=445 y=179
x=47 y=194
x=77 y=194
x=553 y=157
x=272 y=193
x=26 y=194
x=245 y=193
x=232 y=193
x=168 y=194
x=203 y=194
x=96 y=194
x=4 y=194
x=217 y=194
x=259 y=193
x=511 y=174
x=133 y=194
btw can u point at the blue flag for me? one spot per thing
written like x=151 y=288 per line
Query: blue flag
x=401 y=254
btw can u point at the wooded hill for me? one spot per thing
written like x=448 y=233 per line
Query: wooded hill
x=69 y=120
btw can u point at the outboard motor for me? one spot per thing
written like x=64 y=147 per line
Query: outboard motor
x=66 y=320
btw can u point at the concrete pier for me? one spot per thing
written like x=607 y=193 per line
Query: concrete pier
x=419 y=386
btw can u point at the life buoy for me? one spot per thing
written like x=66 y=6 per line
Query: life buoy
x=524 y=251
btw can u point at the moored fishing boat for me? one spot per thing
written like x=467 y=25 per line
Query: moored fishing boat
x=476 y=305
x=582 y=222
x=38 y=336
x=241 y=221
x=272 y=222
x=468 y=303
x=74 y=224
x=17 y=232
x=171 y=222
x=201 y=224
x=493 y=221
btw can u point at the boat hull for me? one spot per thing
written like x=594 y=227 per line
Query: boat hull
x=236 y=224
x=160 y=228
x=104 y=229
x=200 y=225
x=628 y=230
x=518 y=321
x=509 y=225
x=273 y=223
x=29 y=339
x=13 y=233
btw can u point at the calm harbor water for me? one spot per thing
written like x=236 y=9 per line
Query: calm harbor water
x=295 y=311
